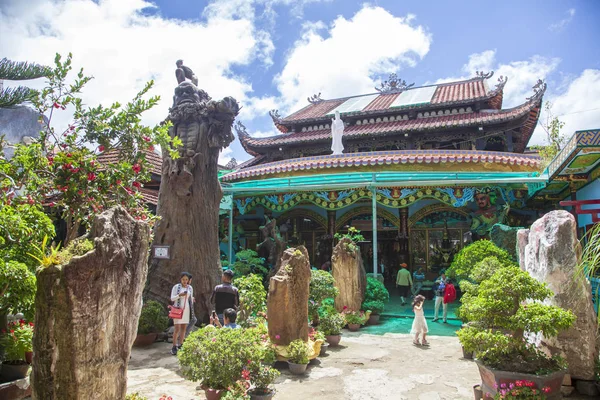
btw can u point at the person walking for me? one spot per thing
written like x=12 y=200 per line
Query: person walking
x=449 y=297
x=181 y=294
x=440 y=287
x=418 y=278
x=419 y=326
x=403 y=282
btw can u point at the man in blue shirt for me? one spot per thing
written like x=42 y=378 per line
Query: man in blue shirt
x=229 y=317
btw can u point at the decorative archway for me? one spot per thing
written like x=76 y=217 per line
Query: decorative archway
x=343 y=220
x=303 y=212
x=433 y=208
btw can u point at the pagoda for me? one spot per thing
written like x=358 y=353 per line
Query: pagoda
x=424 y=170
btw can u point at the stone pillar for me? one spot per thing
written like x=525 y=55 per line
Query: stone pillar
x=87 y=313
x=551 y=256
x=287 y=302
x=349 y=274
x=331 y=222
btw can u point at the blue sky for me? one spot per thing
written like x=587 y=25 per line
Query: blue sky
x=275 y=53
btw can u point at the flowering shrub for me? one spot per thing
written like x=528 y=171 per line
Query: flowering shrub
x=261 y=377
x=520 y=390
x=332 y=323
x=298 y=352
x=314 y=334
x=253 y=298
x=153 y=318
x=17 y=340
x=321 y=288
x=17 y=289
x=354 y=317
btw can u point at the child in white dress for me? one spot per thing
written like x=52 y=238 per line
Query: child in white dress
x=419 y=326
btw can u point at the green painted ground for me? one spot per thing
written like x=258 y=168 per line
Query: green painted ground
x=397 y=318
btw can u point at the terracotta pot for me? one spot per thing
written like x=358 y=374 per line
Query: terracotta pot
x=29 y=357
x=353 y=327
x=213 y=394
x=467 y=355
x=373 y=319
x=324 y=347
x=145 y=340
x=261 y=396
x=12 y=372
x=493 y=378
x=297 y=369
x=333 y=340
x=478 y=392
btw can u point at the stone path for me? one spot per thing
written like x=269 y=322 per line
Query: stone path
x=363 y=367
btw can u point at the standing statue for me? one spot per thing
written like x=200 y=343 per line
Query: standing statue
x=272 y=242
x=183 y=72
x=337 y=131
x=189 y=197
x=487 y=215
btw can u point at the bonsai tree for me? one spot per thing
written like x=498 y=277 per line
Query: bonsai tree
x=506 y=307
x=376 y=295
x=248 y=262
x=468 y=257
x=253 y=298
x=153 y=318
x=321 y=288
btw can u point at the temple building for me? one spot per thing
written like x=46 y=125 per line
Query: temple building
x=423 y=171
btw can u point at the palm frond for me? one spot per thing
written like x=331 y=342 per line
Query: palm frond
x=21 y=70
x=12 y=96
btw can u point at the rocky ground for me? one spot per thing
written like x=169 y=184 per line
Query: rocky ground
x=362 y=367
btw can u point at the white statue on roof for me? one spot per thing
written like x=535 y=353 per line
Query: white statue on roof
x=337 y=131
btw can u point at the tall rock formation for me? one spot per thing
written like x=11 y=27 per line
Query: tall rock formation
x=349 y=274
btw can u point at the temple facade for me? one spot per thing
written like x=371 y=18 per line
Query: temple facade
x=424 y=170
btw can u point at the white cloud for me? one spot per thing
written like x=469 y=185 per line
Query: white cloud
x=225 y=156
x=123 y=44
x=560 y=25
x=349 y=56
x=261 y=134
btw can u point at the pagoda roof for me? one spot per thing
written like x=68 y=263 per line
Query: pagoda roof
x=442 y=94
x=528 y=111
x=388 y=160
x=113 y=156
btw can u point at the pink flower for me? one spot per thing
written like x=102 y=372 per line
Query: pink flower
x=100 y=148
x=146 y=138
x=277 y=337
x=91 y=176
x=137 y=184
x=214 y=339
x=136 y=168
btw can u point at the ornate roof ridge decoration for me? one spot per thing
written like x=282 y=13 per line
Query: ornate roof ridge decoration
x=393 y=85
x=275 y=116
x=240 y=129
x=538 y=90
x=501 y=82
x=483 y=75
x=315 y=98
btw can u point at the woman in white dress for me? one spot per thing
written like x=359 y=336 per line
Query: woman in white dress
x=182 y=296
x=419 y=326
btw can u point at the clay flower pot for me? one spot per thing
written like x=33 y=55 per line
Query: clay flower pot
x=324 y=347
x=467 y=355
x=297 y=369
x=478 y=392
x=373 y=319
x=261 y=396
x=353 y=327
x=29 y=357
x=213 y=394
x=145 y=340
x=12 y=372
x=333 y=340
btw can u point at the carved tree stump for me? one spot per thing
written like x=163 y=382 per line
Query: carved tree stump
x=287 y=302
x=349 y=274
x=87 y=313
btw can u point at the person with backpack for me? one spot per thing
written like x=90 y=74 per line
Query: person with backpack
x=449 y=297
x=439 y=289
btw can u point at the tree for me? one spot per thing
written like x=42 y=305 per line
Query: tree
x=19 y=71
x=61 y=170
x=556 y=141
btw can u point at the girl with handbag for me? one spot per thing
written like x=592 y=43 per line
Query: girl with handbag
x=182 y=296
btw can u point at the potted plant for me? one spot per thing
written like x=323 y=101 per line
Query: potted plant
x=262 y=376
x=153 y=320
x=355 y=319
x=331 y=325
x=316 y=335
x=504 y=307
x=321 y=288
x=376 y=296
x=297 y=353
x=16 y=342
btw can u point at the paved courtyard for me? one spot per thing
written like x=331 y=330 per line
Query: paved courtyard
x=365 y=366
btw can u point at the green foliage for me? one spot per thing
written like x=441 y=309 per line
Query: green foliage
x=248 y=262
x=18 y=71
x=298 y=352
x=17 y=340
x=471 y=255
x=321 y=288
x=218 y=357
x=499 y=316
x=262 y=376
x=375 y=306
x=17 y=289
x=352 y=234
x=46 y=255
x=63 y=165
x=332 y=323
x=376 y=295
x=22 y=226
x=75 y=248
x=355 y=317
x=555 y=140
x=135 y=396
x=153 y=318
x=253 y=297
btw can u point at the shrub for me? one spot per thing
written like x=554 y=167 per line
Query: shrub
x=17 y=340
x=253 y=297
x=520 y=390
x=500 y=317
x=261 y=377
x=153 y=318
x=17 y=289
x=332 y=323
x=248 y=262
x=468 y=257
x=298 y=352
x=77 y=247
x=135 y=396
x=355 y=317
x=321 y=288
x=375 y=292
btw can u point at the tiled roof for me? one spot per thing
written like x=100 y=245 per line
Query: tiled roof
x=150 y=196
x=406 y=126
x=383 y=158
x=112 y=157
x=446 y=93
